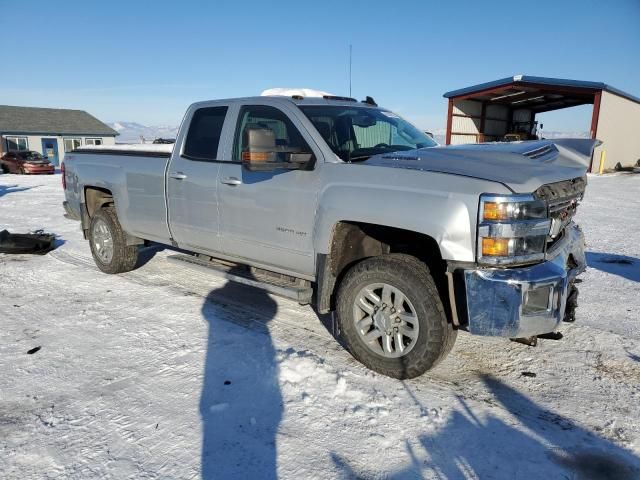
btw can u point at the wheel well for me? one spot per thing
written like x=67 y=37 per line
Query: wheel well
x=355 y=241
x=95 y=198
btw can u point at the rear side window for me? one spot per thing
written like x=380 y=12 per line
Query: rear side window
x=203 y=137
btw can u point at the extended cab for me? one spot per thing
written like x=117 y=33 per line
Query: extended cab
x=356 y=211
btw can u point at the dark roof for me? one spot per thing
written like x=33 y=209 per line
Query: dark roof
x=51 y=121
x=578 y=89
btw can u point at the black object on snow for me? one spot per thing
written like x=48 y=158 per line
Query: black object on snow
x=16 y=243
x=33 y=350
x=552 y=336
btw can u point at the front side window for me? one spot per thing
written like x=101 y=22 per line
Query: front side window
x=71 y=144
x=93 y=141
x=287 y=137
x=204 y=133
x=17 y=143
x=357 y=133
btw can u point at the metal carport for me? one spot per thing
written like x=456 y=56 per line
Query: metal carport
x=486 y=112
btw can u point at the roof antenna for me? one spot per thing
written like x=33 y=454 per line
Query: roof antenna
x=350 y=55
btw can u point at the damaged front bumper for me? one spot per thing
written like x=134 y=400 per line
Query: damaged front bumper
x=525 y=301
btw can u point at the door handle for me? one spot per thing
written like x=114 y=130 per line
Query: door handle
x=178 y=175
x=233 y=181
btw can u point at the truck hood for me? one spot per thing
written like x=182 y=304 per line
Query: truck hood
x=521 y=166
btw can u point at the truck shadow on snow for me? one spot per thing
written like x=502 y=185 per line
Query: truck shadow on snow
x=241 y=404
x=621 y=265
x=6 y=189
x=241 y=409
x=546 y=445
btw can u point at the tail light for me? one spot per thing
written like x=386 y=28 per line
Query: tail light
x=64 y=177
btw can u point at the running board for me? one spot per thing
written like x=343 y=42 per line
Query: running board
x=275 y=283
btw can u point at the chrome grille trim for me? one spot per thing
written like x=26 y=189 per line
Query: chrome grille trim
x=561 y=204
x=562 y=199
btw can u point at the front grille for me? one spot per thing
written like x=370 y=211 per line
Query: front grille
x=554 y=192
x=562 y=198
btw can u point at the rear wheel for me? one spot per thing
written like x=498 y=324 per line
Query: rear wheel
x=108 y=243
x=392 y=318
x=5 y=169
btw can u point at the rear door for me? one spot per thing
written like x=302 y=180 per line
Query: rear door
x=192 y=180
x=267 y=217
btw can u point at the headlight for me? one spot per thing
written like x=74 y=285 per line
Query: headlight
x=512 y=229
x=502 y=209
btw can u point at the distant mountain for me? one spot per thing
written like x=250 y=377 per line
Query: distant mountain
x=440 y=135
x=550 y=134
x=132 y=132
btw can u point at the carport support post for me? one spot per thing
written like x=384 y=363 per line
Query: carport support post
x=594 y=120
x=449 y=122
x=483 y=114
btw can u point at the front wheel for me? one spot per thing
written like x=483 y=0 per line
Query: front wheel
x=392 y=318
x=109 y=244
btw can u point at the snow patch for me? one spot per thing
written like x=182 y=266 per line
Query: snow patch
x=219 y=407
x=290 y=92
x=142 y=147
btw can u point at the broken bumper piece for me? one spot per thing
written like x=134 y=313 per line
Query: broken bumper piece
x=525 y=301
x=21 y=243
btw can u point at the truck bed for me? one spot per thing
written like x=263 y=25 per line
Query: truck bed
x=142 y=149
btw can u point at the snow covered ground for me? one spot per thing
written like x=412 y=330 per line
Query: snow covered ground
x=166 y=372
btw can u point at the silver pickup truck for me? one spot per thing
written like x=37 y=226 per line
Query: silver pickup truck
x=345 y=205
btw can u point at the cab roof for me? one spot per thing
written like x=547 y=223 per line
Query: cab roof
x=300 y=100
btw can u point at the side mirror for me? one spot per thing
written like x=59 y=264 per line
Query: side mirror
x=262 y=154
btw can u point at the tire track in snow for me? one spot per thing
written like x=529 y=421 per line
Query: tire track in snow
x=458 y=377
x=308 y=333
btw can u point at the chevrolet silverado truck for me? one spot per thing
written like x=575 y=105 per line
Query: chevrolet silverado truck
x=346 y=206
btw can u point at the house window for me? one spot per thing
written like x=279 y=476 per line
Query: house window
x=93 y=141
x=17 y=143
x=72 y=143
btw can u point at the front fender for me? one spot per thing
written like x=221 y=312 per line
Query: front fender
x=411 y=201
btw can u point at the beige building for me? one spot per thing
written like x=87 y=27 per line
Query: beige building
x=619 y=129
x=50 y=131
x=508 y=107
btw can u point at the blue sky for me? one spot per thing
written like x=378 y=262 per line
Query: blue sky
x=146 y=61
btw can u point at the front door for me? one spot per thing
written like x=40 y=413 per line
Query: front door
x=50 y=150
x=192 y=183
x=267 y=216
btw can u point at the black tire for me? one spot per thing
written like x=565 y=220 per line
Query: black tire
x=124 y=256
x=436 y=336
x=5 y=169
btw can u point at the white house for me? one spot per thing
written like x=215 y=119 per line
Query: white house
x=50 y=131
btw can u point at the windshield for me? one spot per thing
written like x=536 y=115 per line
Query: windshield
x=30 y=155
x=357 y=133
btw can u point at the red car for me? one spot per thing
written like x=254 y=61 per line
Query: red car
x=25 y=161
